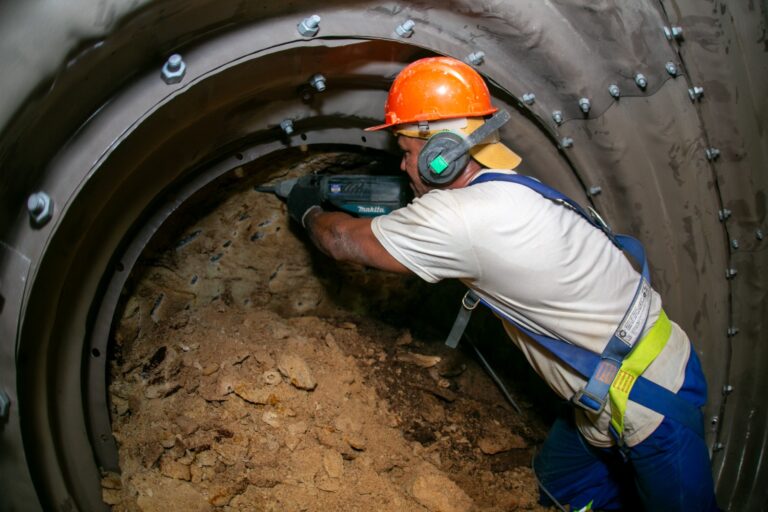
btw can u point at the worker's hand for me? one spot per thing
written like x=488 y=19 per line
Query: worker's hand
x=305 y=195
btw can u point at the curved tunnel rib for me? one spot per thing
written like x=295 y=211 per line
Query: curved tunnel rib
x=640 y=159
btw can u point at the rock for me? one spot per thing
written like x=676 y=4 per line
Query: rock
x=404 y=339
x=171 y=495
x=174 y=469
x=222 y=494
x=296 y=370
x=333 y=464
x=206 y=458
x=111 y=480
x=254 y=395
x=110 y=496
x=298 y=428
x=161 y=390
x=500 y=441
x=437 y=492
x=421 y=360
x=327 y=484
x=271 y=418
x=356 y=442
x=271 y=377
x=187 y=425
x=210 y=369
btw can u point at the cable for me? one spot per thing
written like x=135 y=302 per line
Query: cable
x=495 y=378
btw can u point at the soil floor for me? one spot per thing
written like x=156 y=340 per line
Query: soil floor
x=244 y=379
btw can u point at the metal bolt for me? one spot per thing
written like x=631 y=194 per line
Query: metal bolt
x=673 y=33
x=641 y=81
x=529 y=98
x=695 y=92
x=309 y=26
x=585 y=105
x=712 y=153
x=730 y=273
x=714 y=420
x=318 y=82
x=287 y=126
x=405 y=29
x=759 y=234
x=717 y=447
x=732 y=331
x=614 y=91
x=735 y=243
x=5 y=406
x=566 y=142
x=557 y=117
x=593 y=191
x=727 y=389
x=40 y=208
x=724 y=214
x=173 y=70
x=671 y=68
x=476 y=58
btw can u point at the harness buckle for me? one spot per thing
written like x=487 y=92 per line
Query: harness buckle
x=470 y=300
x=588 y=401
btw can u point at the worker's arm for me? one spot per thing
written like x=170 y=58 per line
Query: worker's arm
x=346 y=238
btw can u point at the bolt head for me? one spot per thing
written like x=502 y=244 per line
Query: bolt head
x=557 y=117
x=318 y=82
x=735 y=243
x=287 y=126
x=566 y=142
x=727 y=389
x=593 y=191
x=529 y=98
x=641 y=81
x=614 y=91
x=759 y=234
x=476 y=58
x=585 y=105
x=40 y=208
x=309 y=26
x=173 y=70
x=405 y=29
x=671 y=68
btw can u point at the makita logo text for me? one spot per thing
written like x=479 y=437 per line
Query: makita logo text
x=371 y=209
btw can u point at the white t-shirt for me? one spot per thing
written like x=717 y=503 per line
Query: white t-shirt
x=545 y=266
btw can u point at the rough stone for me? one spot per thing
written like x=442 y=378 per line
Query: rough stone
x=500 y=441
x=296 y=370
x=437 y=492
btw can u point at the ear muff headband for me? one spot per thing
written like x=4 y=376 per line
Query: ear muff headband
x=446 y=154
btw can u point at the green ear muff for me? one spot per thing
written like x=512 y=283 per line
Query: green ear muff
x=446 y=154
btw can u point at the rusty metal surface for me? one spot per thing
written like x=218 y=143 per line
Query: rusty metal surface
x=93 y=135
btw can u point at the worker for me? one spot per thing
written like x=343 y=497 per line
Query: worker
x=585 y=318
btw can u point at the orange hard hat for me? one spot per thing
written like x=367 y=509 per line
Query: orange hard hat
x=436 y=88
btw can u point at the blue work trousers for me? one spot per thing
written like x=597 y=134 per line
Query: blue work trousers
x=668 y=471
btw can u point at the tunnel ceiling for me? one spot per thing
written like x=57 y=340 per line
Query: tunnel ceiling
x=87 y=119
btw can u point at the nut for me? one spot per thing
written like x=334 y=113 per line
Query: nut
x=40 y=208
x=174 y=69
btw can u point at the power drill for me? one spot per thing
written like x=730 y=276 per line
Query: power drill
x=364 y=195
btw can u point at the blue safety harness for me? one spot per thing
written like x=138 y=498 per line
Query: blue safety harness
x=591 y=366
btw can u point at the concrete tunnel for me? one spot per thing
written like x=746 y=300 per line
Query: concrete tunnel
x=100 y=152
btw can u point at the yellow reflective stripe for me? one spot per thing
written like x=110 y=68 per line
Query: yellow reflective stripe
x=634 y=365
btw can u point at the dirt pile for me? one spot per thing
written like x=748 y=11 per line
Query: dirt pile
x=244 y=410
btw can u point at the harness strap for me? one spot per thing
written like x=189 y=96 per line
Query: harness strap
x=594 y=395
x=642 y=391
x=616 y=372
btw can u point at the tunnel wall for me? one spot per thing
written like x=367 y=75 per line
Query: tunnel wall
x=646 y=152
